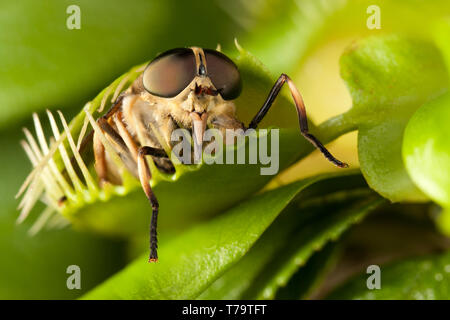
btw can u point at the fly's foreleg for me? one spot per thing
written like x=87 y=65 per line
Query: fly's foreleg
x=125 y=134
x=144 y=177
x=301 y=112
x=101 y=166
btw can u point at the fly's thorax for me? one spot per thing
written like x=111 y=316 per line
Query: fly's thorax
x=145 y=112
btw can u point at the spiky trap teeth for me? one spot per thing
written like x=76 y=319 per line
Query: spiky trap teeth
x=60 y=178
x=54 y=179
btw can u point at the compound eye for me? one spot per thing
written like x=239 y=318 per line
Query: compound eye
x=170 y=73
x=224 y=74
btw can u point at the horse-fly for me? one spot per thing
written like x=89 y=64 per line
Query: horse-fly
x=190 y=88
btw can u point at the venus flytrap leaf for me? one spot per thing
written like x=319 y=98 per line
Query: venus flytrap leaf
x=426 y=149
x=303 y=245
x=389 y=78
x=426 y=152
x=193 y=260
x=318 y=215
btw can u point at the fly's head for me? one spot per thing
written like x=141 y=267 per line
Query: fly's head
x=196 y=83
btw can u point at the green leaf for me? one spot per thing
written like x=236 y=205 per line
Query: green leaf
x=442 y=38
x=426 y=149
x=192 y=261
x=310 y=276
x=424 y=278
x=312 y=237
x=305 y=226
x=389 y=78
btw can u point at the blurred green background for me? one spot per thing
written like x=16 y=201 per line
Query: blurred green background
x=43 y=65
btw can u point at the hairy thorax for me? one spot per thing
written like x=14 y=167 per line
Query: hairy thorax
x=150 y=119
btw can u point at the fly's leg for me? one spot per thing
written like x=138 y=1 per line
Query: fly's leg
x=125 y=134
x=144 y=177
x=112 y=133
x=100 y=160
x=101 y=165
x=87 y=140
x=115 y=107
x=125 y=142
x=301 y=112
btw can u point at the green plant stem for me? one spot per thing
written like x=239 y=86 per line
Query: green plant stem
x=335 y=127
